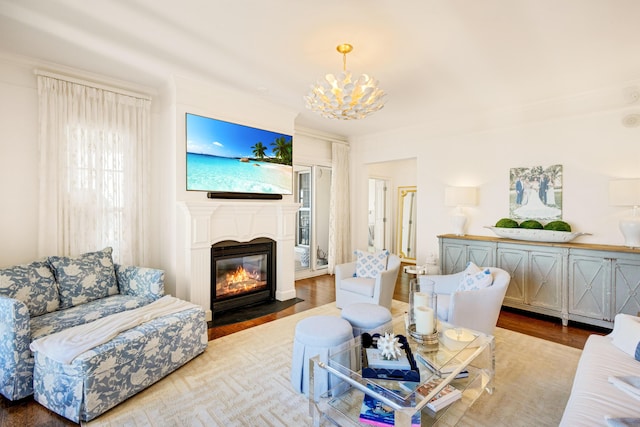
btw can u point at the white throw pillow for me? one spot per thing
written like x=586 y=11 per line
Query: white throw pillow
x=370 y=264
x=473 y=282
x=626 y=333
x=471 y=268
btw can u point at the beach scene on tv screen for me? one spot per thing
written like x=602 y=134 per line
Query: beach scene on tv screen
x=228 y=157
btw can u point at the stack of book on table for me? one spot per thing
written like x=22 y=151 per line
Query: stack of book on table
x=445 y=397
x=375 y=412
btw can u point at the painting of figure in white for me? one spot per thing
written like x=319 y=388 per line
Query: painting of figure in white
x=535 y=193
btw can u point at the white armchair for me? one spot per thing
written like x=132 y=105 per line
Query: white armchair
x=476 y=309
x=350 y=289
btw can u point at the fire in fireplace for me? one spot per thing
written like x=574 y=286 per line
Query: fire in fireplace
x=242 y=273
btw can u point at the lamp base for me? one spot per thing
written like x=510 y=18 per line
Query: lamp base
x=630 y=228
x=458 y=220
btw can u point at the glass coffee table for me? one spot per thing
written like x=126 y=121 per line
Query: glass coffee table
x=468 y=365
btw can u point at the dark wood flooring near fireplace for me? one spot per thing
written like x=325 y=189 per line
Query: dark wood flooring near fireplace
x=314 y=292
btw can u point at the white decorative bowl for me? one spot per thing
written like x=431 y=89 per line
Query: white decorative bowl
x=457 y=338
x=549 y=236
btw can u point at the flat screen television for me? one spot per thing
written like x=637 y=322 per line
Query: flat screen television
x=230 y=160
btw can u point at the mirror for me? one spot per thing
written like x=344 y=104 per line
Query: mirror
x=407 y=209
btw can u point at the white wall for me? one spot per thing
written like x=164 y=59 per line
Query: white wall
x=18 y=163
x=585 y=135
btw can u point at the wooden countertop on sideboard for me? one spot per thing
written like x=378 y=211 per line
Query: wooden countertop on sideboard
x=588 y=246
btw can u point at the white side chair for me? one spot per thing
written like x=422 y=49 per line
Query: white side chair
x=476 y=309
x=378 y=290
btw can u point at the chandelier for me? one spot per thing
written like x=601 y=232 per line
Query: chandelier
x=344 y=97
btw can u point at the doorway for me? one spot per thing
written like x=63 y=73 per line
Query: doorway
x=313 y=191
x=379 y=205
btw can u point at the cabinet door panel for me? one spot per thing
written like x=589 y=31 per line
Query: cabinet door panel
x=544 y=282
x=589 y=279
x=482 y=256
x=514 y=262
x=454 y=258
x=627 y=280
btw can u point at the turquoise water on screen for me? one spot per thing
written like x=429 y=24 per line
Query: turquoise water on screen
x=212 y=173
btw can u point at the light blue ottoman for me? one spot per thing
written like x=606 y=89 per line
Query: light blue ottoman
x=367 y=317
x=323 y=336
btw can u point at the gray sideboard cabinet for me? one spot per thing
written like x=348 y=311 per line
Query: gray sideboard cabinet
x=537 y=275
x=586 y=283
x=602 y=284
x=456 y=253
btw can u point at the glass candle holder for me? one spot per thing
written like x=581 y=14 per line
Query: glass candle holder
x=422 y=318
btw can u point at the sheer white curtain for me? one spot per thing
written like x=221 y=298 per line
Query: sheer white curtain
x=339 y=208
x=94 y=146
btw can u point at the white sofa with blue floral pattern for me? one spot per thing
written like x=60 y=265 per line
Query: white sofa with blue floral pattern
x=56 y=293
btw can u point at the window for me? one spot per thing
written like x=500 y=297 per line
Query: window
x=94 y=144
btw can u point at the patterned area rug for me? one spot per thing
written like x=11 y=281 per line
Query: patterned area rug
x=243 y=380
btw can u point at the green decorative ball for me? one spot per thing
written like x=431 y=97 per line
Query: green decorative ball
x=558 y=226
x=506 y=223
x=531 y=224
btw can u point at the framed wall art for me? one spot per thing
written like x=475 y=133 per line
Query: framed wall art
x=535 y=193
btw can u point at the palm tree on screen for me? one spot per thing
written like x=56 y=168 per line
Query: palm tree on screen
x=282 y=149
x=259 y=150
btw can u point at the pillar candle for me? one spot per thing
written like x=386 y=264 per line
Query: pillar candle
x=421 y=299
x=424 y=320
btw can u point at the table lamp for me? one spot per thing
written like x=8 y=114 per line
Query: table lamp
x=460 y=197
x=626 y=192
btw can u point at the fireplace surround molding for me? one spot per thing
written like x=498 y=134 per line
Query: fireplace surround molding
x=213 y=221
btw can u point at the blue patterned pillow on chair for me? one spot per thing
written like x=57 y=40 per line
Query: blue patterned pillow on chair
x=84 y=278
x=369 y=264
x=475 y=281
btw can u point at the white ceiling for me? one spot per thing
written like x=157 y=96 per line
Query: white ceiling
x=434 y=58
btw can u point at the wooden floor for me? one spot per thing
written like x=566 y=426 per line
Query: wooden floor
x=316 y=292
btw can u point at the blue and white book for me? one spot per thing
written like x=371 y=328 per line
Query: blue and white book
x=376 y=413
x=376 y=361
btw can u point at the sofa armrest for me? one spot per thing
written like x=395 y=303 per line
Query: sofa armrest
x=15 y=337
x=140 y=281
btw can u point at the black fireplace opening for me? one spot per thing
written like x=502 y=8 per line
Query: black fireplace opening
x=242 y=273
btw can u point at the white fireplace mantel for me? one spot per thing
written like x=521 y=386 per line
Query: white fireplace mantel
x=212 y=221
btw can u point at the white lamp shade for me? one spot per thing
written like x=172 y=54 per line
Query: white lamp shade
x=460 y=196
x=624 y=192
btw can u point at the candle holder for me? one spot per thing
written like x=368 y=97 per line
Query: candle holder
x=422 y=318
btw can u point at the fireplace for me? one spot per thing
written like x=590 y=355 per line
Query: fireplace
x=242 y=273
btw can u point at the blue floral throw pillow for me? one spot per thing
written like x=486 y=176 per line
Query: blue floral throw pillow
x=33 y=284
x=370 y=264
x=475 y=281
x=84 y=278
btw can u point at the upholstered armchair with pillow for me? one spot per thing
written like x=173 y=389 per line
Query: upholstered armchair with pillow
x=472 y=298
x=370 y=278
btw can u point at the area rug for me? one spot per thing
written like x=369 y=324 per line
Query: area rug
x=243 y=380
